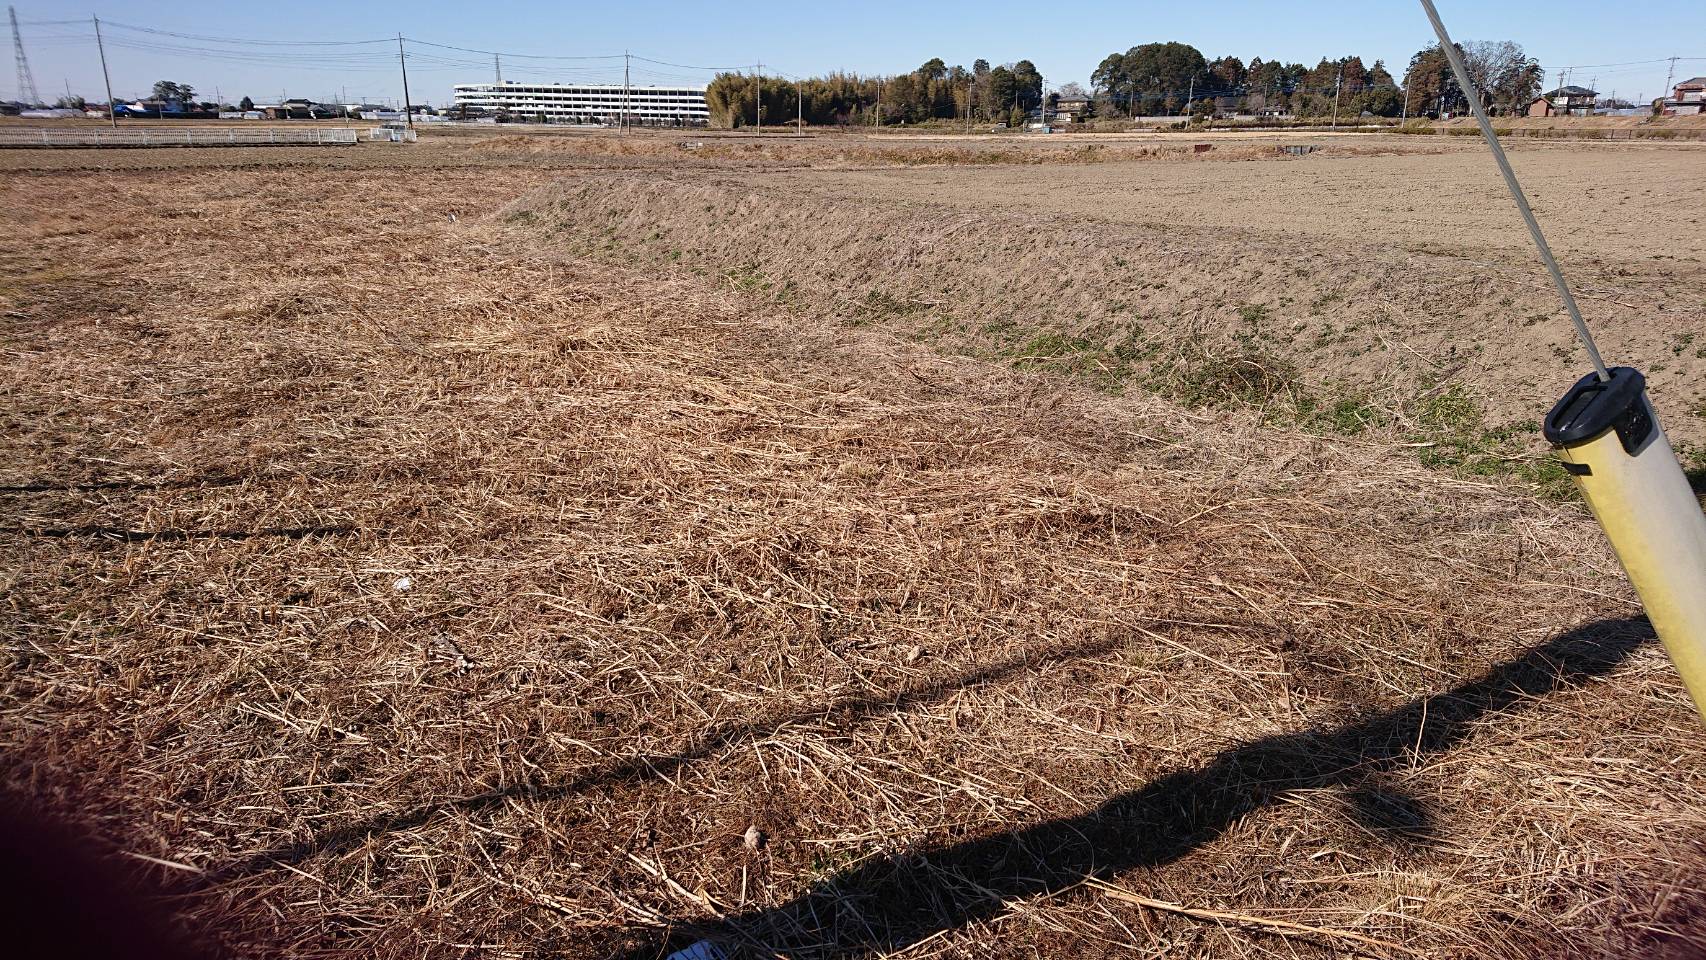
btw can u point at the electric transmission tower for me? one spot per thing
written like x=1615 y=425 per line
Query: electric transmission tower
x=26 y=82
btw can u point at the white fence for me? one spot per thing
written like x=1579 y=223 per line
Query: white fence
x=187 y=136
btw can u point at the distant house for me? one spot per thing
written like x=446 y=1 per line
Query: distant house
x=1687 y=100
x=1538 y=107
x=1071 y=109
x=293 y=109
x=1572 y=101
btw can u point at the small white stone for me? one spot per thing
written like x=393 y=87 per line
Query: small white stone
x=754 y=837
x=402 y=583
x=703 y=950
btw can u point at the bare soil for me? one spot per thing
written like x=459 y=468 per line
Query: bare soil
x=1617 y=204
x=383 y=583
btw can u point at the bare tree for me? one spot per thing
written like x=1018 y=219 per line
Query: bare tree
x=1504 y=73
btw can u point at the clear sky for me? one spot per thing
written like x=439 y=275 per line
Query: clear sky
x=796 y=38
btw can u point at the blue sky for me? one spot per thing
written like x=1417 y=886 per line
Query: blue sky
x=794 y=38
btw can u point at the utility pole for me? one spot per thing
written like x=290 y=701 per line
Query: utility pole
x=498 y=69
x=112 y=110
x=408 y=115
x=627 y=91
x=1191 y=94
x=800 y=105
x=1406 y=114
x=758 y=98
x=1337 y=86
x=968 y=107
x=1669 y=79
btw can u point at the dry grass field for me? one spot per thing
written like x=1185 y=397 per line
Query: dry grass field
x=577 y=550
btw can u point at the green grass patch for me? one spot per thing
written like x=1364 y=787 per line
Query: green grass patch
x=1241 y=376
x=1463 y=443
x=747 y=279
x=1447 y=427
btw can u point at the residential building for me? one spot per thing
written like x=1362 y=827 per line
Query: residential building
x=1572 y=101
x=1538 y=107
x=1687 y=100
x=1071 y=109
x=586 y=103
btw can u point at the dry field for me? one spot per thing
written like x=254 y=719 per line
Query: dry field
x=642 y=555
x=1373 y=275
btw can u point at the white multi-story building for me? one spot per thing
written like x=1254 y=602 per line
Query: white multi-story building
x=586 y=103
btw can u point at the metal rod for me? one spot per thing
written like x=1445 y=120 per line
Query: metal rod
x=1462 y=73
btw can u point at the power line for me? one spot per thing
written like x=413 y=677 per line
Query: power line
x=506 y=53
x=1631 y=63
x=260 y=43
x=689 y=66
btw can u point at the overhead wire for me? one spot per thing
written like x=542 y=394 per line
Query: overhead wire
x=265 y=43
x=515 y=56
x=1630 y=63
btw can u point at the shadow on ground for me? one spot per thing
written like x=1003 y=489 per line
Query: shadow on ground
x=889 y=902
x=664 y=765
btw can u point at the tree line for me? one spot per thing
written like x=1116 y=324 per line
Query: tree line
x=1169 y=78
x=1147 y=80
x=1508 y=78
x=934 y=91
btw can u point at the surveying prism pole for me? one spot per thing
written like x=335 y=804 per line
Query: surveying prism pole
x=1609 y=440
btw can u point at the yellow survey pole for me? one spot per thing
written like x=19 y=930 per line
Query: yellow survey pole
x=1610 y=441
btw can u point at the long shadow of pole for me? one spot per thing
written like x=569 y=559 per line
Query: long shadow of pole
x=664 y=765
x=892 y=901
